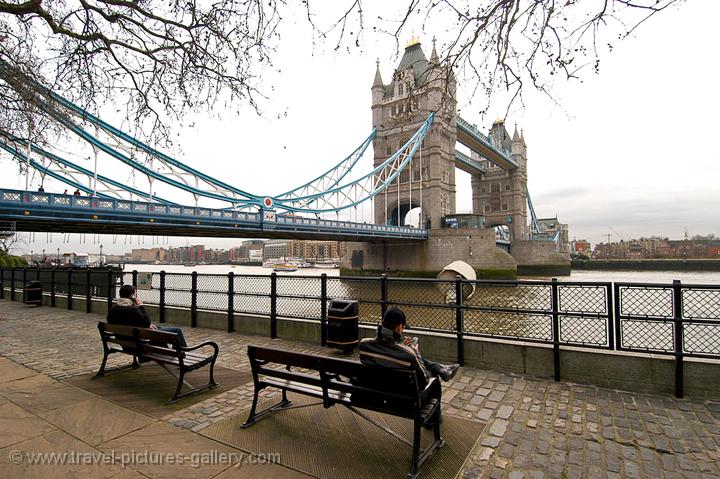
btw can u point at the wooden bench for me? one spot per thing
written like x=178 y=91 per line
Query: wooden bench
x=353 y=385
x=162 y=347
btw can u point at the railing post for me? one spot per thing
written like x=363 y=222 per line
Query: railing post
x=2 y=283
x=611 y=322
x=616 y=309
x=323 y=309
x=231 y=302
x=134 y=278
x=459 y=320
x=69 y=289
x=52 y=287
x=12 y=284
x=678 y=330
x=88 y=291
x=555 y=328
x=193 y=299
x=110 y=288
x=273 y=305
x=383 y=295
x=161 y=306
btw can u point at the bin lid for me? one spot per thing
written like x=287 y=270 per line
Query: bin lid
x=341 y=305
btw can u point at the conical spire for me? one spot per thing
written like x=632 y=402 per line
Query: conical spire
x=522 y=137
x=378 y=82
x=434 y=56
x=516 y=137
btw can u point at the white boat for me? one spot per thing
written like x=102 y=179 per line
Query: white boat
x=284 y=268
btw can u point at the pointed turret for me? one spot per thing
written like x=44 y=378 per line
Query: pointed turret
x=378 y=82
x=516 y=144
x=434 y=56
x=378 y=88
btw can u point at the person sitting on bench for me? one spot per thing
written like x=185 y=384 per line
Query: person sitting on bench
x=129 y=311
x=390 y=349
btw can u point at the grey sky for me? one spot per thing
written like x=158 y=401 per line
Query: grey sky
x=633 y=148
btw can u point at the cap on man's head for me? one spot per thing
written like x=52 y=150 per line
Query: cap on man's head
x=394 y=317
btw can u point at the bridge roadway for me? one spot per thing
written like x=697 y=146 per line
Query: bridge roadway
x=470 y=136
x=47 y=212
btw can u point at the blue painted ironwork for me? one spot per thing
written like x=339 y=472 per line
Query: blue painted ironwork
x=362 y=189
x=534 y=225
x=84 y=171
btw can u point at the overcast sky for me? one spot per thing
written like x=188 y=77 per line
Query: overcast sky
x=630 y=152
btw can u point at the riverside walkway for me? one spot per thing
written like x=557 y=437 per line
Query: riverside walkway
x=533 y=428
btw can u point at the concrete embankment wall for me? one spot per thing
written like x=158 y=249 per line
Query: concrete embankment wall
x=648 y=264
x=646 y=373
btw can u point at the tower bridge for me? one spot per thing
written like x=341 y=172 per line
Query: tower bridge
x=415 y=132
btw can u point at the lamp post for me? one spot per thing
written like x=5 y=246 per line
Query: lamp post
x=32 y=257
x=58 y=256
x=101 y=256
x=43 y=257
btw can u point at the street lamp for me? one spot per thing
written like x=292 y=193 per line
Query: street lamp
x=58 y=257
x=101 y=256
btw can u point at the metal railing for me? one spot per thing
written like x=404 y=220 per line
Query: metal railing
x=679 y=320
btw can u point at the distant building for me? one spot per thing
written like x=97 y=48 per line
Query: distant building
x=581 y=247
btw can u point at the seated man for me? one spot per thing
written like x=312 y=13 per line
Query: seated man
x=389 y=349
x=129 y=310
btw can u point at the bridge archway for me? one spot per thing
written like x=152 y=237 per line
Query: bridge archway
x=404 y=214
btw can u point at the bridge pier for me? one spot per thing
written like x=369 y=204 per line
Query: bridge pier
x=426 y=259
x=539 y=258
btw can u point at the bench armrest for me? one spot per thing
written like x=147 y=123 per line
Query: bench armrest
x=202 y=345
x=430 y=387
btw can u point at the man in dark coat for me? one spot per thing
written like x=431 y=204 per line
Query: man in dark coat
x=391 y=350
x=129 y=310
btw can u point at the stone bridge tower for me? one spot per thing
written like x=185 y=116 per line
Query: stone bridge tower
x=501 y=195
x=419 y=86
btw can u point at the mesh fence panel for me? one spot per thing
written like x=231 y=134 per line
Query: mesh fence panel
x=428 y=317
x=585 y=331
x=177 y=289
x=647 y=335
x=364 y=290
x=512 y=296
x=656 y=302
x=701 y=338
x=701 y=303
x=359 y=289
x=212 y=292
x=305 y=297
x=583 y=299
x=252 y=294
x=513 y=325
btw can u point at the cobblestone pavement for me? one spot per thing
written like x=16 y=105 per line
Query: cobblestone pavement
x=536 y=428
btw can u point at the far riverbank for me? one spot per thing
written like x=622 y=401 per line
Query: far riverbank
x=688 y=265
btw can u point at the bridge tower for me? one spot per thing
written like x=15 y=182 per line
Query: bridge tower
x=501 y=195
x=419 y=86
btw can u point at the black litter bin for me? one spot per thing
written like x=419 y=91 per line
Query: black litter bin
x=342 y=324
x=32 y=293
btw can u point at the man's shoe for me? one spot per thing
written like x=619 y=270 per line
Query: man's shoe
x=448 y=372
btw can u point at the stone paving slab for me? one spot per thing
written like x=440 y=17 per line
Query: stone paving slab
x=536 y=427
